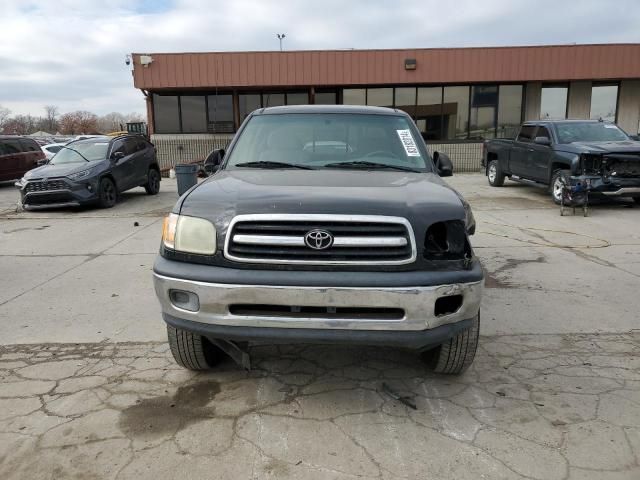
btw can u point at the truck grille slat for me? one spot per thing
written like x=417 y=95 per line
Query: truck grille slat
x=46 y=186
x=355 y=239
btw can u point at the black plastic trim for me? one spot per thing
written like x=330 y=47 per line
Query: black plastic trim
x=309 y=278
x=415 y=340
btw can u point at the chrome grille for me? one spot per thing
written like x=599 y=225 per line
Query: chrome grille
x=46 y=186
x=356 y=239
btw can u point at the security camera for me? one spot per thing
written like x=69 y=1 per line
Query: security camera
x=127 y=60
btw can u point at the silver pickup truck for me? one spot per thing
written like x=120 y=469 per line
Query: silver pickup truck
x=322 y=224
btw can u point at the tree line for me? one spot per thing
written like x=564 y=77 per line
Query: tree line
x=70 y=123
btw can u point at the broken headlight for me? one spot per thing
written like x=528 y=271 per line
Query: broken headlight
x=447 y=241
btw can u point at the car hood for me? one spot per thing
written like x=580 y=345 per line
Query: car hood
x=625 y=146
x=422 y=198
x=62 y=170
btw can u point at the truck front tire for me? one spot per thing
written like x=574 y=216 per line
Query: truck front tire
x=192 y=351
x=494 y=174
x=558 y=180
x=456 y=355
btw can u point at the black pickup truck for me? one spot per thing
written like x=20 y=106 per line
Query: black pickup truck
x=590 y=154
x=322 y=224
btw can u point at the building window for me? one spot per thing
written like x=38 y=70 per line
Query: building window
x=455 y=112
x=509 y=110
x=429 y=112
x=247 y=103
x=166 y=115
x=484 y=103
x=273 y=99
x=325 y=98
x=220 y=113
x=380 y=97
x=604 y=102
x=298 y=98
x=354 y=96
x=553 y=103
x=193 y=113
x=405 y=100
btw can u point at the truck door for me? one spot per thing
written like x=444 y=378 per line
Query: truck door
x=539 y=157
x=518 y=159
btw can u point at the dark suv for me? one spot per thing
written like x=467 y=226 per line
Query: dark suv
x=93 y=170
x=17 y=156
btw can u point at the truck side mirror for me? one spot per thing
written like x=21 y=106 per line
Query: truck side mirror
x=213 y=161
x=546 y=141
x=115 y=156
x=443 y=164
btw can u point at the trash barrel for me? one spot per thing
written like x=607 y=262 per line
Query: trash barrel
x=187 y=175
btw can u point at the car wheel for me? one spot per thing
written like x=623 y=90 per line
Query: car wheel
x=192 y=351
x=494 y=174
x=559 y=179
x=107 y=193
x=456 y=355
x=153 y=182
x=637 y=200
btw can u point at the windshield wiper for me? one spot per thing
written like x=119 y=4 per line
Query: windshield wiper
x=373 y=165
x=269 y=164
x=74 y=150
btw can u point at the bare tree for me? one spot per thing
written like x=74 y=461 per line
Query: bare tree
x=20 y=125
x=4 y=116
x=134 y=117
x=111 y=122
x=51 y=114
x=78 y=122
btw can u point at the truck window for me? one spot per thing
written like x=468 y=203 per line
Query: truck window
x=526 y=133
x=12 y=146
x=543 y=132
x=29 y=145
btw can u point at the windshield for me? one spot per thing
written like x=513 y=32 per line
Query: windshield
x=352 y=141
x=589 y=132
x=74 y=153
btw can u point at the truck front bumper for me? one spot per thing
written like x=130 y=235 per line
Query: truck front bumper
x=611 y=187
x=394 y=315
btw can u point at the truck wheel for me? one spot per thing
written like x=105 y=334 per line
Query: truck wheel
x=494 y=174
x=192 y=351
x=153 y=182
x=107 y=193
x=637 y=200
x=559 y=179
x=456 y=355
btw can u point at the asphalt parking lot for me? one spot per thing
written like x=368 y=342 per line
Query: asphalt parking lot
x=88 y=388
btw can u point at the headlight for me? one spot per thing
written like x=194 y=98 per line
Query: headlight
x=189 y=234
x=469 y=219
x=79 y=175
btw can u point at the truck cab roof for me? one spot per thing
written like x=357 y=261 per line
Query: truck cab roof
x=329 y=109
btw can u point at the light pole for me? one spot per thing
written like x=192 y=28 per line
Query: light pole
x=280 y=38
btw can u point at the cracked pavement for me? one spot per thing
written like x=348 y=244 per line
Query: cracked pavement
x=532 y=406
x=88 y=388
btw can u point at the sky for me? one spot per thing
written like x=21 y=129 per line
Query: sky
x=71 y=53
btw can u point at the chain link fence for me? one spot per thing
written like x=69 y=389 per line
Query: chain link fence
x=192 y=148
x=187 y=148
x=465 y=156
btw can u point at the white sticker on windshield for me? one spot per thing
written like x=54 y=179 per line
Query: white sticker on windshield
x=610 y=126
x=101 y=143
x=407 y=142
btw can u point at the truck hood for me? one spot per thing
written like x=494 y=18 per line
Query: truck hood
x=422 y=198
x=626 y=146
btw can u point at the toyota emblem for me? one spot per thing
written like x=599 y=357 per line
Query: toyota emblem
x=318 y=239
